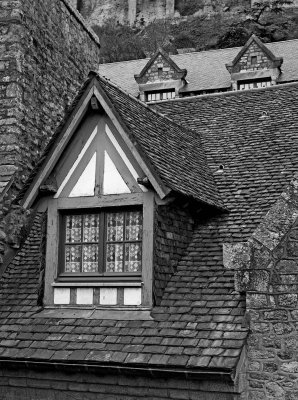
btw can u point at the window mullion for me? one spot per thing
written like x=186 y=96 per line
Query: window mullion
x=82 y=237
x=101 y=243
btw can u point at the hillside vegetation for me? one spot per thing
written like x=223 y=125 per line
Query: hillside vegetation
x=270 y=20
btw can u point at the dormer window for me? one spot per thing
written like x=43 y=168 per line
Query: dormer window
x=160 y=95
x=255 y=66
x=161 y=78
x=254 y=84
x=253 y=60
x=102 y=243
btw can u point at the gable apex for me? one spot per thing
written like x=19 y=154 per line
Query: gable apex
x=160 y=52
x=276 y=61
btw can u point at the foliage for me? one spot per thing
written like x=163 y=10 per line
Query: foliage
x=275 y=6
x=118 y=42
x=189 y=7
x=268 y=19
x=156 y=34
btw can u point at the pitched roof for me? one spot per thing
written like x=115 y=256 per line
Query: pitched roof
x=175 y=152
x=166 y=56
x=205 y=69
x=168 y=147
x=253 y=135
x=198 y=324
x=276 y=60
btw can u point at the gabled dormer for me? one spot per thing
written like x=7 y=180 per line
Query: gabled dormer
x=113 y=182
x=161 y=78
x=254 y=66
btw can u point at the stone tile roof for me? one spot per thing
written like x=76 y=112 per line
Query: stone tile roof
x=197 y=325
x=175 y=152
x=253 y=135
x=205 y=69
x=199 y=322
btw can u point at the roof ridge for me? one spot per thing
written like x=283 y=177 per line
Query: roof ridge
x=228 y=93
x=144 y=104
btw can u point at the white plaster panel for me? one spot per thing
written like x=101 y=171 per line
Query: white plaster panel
x=86 y=182
x=108 y=296
x=132 y=296
x=61 y=296
x=84 y=295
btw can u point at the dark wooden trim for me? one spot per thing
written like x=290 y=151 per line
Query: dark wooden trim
x=64 y=137
x=121 y=166
x=136 y=151
x=115 y=200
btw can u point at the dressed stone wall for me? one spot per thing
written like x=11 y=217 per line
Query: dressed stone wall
x=267 y=270
x=245 y=62
x=46 y=52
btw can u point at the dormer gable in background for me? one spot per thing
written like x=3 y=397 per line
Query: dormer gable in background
x=254 y=66
x=161 y=78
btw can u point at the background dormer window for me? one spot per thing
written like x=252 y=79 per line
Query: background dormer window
x=160 y=95
x=254 y=84
x=102 y=243
x=253 y=60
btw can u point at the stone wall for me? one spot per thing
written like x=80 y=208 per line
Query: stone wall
x=267 y=270
x=261 y=61
x=37 y=385
x=159 y=70
x=46 y=51
x=173 y=232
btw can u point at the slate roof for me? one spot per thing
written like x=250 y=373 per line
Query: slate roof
x=199 y=322
x=175 y=152
x=206 y=70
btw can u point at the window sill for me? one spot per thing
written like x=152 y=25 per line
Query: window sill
x=120 y=314
x=97 y=284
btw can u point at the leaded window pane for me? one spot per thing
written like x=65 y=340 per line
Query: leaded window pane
x=73 y=228
x=114 y=258
x=133 y=225
x=90 y=258
x=115 y=222
x=72 y=258
x=133 y=257
x=91 y=228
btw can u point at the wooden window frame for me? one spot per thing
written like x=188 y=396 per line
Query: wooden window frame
x=160 y=93
x=60 y=206
x=102 y=243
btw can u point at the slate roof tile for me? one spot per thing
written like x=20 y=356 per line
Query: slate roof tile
x=205 y=69
x=199 y=304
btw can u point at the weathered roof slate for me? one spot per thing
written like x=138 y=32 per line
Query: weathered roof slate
x=206 y=70
x=175 y=152
x=198 y=324
x=253 y=135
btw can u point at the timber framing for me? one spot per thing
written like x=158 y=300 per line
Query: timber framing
x=69 y=129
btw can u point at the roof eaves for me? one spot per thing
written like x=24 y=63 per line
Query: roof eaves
x=29 y=192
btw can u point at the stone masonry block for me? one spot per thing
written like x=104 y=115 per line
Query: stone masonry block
x=276 y=224
x=236 y=255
